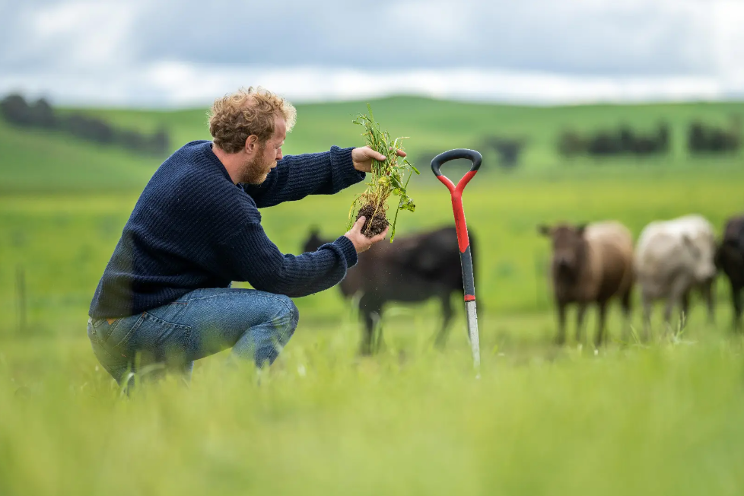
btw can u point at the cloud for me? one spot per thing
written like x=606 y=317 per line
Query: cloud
x=84 y=35
x=176 y=84
x=576 y=36
x=145 y=51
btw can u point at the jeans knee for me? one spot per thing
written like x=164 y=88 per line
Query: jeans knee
x=290 y=312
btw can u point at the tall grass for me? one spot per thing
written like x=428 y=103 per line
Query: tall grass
x=659 y=420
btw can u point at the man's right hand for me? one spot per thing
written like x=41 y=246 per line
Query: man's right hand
x=360 y=241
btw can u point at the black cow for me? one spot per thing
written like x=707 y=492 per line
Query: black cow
x=730 y=260
x=413 y=268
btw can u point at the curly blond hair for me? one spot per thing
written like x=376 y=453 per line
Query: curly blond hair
x=247 y=112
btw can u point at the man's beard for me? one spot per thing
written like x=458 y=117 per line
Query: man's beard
x=256 y=170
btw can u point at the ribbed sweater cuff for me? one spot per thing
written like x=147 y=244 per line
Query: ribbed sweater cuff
x=351 y=175
x=347 y=248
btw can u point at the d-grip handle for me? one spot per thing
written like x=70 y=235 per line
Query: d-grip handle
x=445 y=157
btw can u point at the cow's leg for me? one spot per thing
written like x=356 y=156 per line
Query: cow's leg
x=365 y=346
x=378 y=343
x=601 y=314
x=601 y=317
x=685 y=309
x=736 y=298
x=707 y=289
x=580 y=313
x=668 y=307
x=370 y=310
x=679 y=287
x=625 y=305
x=441 y=339
x=561 y=337
x=647 y=307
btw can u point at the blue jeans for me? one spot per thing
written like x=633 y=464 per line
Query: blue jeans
x=255 y=324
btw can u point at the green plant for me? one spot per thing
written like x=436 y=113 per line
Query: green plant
x=387 y=180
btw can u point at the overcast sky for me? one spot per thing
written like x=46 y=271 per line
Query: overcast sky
x=187 y=52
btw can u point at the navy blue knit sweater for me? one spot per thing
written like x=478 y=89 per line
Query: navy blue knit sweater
x=193 y=228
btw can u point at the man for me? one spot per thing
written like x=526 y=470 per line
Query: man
x=165 y=298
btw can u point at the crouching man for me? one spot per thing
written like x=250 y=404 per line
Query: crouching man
x=165 y=298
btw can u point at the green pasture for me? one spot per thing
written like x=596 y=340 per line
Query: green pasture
x=632 y=418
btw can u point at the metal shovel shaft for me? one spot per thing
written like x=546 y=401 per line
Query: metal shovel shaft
x=473 y=332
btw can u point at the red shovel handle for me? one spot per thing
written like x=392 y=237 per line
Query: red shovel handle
x=456 y=192
x=445 y=157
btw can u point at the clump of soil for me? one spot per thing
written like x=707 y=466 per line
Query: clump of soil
x=375 y=223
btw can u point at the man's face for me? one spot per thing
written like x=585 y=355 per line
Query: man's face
x=266 y=155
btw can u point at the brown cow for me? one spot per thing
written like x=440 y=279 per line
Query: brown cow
x=591 y=264
x=730 y=259
x=414 y=268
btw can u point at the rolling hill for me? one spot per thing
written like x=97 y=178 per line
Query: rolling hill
x=39 y=161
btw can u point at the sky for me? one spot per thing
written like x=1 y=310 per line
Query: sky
x=168 y=53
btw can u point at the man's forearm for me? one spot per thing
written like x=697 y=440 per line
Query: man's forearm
x=250 y=256
x=296 y=177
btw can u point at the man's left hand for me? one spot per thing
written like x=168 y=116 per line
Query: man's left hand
x=362 y=158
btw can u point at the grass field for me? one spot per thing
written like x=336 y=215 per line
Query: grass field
x=659 y=418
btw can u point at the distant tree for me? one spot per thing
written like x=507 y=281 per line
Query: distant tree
x=619 y=141
x=132 y=140
x=627 y=138
x=605 y=143
x=88 y=128
x=702 y=138
x=160 y=142
x=570 y=143
x=16 y=111
x=43 y=114
x=508 y=150
x=653 y=143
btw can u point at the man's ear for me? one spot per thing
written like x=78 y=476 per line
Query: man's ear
x=251 y=144
x=543 y=229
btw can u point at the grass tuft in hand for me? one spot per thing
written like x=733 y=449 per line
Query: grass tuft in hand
x=387 y=180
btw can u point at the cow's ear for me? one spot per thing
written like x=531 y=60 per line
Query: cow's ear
x=543 y=230
x=581 y=228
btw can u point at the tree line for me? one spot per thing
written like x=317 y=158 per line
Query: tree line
x=702 y=138
x=40 y=114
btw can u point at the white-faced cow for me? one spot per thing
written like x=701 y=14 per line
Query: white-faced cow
x=672 y=258
x=413 y=268
x=591 y=264
x=730 y=260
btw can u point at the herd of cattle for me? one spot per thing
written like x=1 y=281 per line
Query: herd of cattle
x=591 y=264
x=595 y=263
